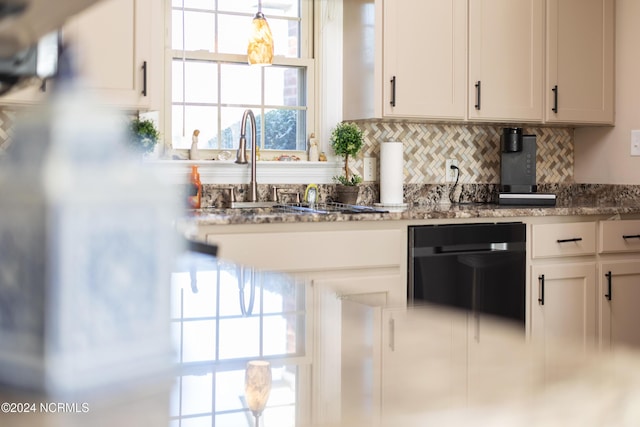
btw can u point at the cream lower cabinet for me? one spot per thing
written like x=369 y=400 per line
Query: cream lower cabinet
x=619 y=301
x=424 y=359
x=347 y=352
x=563 y=291
x=352 y=261
x=438 y=363
x=563 y=313
x=619 y=283
x=354 y=272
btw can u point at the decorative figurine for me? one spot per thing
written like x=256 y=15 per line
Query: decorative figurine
x=193 y=153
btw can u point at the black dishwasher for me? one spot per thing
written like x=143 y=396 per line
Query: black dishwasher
x=475 y=267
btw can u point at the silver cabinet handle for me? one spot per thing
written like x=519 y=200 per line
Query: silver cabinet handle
x=392 y=334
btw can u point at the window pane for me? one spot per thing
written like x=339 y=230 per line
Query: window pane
x=198 y=341
x=282 y=7
x=176 y=335
x=177 y=75
x=193 y=294
x=197 y=394
x=234 y=33
x=241 y=84
x=289 y=8
x=282 y=129
x=230 y=390
x=239 y=337
x=204 y=119
x=280 y=334
x=194 y=4
x=284 y=86
x=202 y=84
x=176 y=29
x=240 y=6
x=286 y=37
x=197 y=422
x=231 y=121
x=199 y=31
x=239 y=419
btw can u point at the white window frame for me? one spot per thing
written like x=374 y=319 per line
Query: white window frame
x=217 y=172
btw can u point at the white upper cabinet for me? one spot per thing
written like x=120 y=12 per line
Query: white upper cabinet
x=580 y=61
x=506 y=42
x=480 y=60
x=119 y=46
x=424 y=45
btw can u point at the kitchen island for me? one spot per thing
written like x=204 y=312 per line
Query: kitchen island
x=336 y=363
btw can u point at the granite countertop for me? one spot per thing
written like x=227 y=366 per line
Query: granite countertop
x=221 y=216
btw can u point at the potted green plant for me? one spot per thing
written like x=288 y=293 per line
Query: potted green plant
x=347 y=141
x=143 y=135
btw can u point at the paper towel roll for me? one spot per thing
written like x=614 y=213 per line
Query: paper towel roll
x=391 y=173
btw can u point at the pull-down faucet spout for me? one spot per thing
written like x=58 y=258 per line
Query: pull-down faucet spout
x=241 y=157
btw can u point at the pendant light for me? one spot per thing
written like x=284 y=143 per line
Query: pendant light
x=260 y=49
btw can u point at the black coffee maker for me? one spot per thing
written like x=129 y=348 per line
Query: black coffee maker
x=518 y=170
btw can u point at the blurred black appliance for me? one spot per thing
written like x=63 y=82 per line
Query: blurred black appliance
x=518 y=170
x=479 y=268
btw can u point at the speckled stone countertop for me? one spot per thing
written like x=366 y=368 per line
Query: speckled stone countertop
x=472 y=201
x=213 y=216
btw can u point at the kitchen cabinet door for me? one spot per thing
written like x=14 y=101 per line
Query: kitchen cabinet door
x=580 y=61
x=424 y=362
x=425 y=58
x=619 y=298
x=347 y=358
x=500 y=365
x=563 y=310
x=117 y=44
x=506 y=60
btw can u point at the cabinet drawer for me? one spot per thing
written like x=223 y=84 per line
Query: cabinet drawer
x=557 y=240
x=619 y=236
x=312 y=250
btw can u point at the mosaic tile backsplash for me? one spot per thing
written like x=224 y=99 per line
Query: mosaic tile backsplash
x=7 y=118
x=477 y=148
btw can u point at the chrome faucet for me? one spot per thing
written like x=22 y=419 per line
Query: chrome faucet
x=241 y=158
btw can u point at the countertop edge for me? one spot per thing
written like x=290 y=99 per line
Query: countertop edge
x=210 y=216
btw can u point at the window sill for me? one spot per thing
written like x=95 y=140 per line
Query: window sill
x=268 y=172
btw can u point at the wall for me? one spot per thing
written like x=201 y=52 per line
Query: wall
x=602 y=154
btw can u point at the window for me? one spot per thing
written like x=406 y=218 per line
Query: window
x=224 y=316
x=212 y=84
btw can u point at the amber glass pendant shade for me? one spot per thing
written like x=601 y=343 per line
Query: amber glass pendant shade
x=260 y=49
